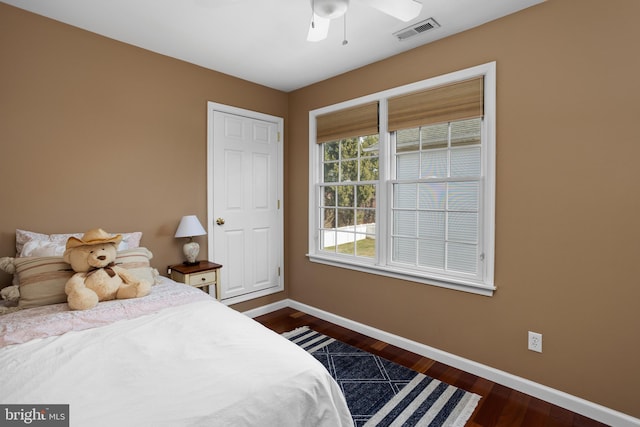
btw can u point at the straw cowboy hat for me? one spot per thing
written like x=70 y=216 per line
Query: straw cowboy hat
x=93 y=237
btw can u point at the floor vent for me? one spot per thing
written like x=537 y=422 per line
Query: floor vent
x=416 y=29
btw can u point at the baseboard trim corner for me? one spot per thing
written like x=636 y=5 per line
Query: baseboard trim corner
x=266 y=309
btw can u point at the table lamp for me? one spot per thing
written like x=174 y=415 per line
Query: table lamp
x=190 y=227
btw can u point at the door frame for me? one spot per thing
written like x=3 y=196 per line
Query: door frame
x=211 y=108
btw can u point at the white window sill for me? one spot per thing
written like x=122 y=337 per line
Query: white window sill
x=396 y=273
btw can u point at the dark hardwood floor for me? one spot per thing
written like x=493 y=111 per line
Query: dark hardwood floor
x=500 y=406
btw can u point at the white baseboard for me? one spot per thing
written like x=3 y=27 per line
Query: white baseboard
x=548 y=394
x=266 y=309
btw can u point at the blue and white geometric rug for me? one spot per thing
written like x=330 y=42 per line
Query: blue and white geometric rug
x=383 y=393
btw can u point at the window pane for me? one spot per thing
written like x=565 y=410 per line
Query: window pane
x=328 y=218
x=404 y=250
x=463 y=227
x=404 y=196
x=328 y=240
x=404 y=223
x=434 y=164
x=369 y=146
x=465 y=132
x=464 y=196
x=435 y=136
x=346 y=219
x=408 y=166
x=431 y=254
x=366 y=195
x=349 y=170
x=329 y=196
x=432 y=195
x=331 y=150
x=346 y=243
x=366 y=217
x=365 y=245
x=462 y=258
x=349 y=148
x=407 y=140
x=345 y=195
x=431 y=225
x=465 y=161
x=330 y=172
x=368 y=169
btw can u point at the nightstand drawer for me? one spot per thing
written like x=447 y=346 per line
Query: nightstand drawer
x=203 y=275
x=199 y=279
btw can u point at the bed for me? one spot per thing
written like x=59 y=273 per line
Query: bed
x=176 y=357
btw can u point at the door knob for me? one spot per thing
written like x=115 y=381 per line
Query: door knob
x=220 y=221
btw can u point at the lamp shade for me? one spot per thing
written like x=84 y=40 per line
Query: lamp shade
x=189 y=227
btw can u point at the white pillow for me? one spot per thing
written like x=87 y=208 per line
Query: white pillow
x=30 y=244
x=24 y=236
x=40 y=248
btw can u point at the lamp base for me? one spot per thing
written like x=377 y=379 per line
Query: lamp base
x=191 y=250
x=187 y=263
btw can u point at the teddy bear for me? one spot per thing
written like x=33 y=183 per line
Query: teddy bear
x=96 y=276
x=10 y=296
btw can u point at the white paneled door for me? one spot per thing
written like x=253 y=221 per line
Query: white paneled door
x=245 y=216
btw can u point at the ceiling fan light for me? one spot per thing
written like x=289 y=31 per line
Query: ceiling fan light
x=330 y=9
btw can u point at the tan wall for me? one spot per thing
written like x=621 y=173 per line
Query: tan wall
x=567 y=233
x=97 y=133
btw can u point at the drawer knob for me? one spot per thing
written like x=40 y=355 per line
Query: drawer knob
x=203 y=279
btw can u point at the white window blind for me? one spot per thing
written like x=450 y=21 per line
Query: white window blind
x=436 y=197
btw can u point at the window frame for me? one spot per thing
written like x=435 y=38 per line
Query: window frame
x=381 y=264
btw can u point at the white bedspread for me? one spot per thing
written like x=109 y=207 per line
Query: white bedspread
x=196 y=364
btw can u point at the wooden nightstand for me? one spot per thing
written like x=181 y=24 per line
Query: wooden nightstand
x=201 y=275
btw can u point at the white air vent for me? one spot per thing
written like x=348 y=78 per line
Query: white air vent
x=416 y=29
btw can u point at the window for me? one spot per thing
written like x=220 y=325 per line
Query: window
x=348 y=196
x=402 y=182
x=436 y=194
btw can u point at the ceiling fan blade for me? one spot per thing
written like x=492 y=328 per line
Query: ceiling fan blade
x=318 y=28
x=404 y=10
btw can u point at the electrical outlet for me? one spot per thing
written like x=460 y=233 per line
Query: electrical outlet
x=535 y=342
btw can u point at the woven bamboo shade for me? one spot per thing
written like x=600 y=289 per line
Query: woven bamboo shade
x=457 y=101
x=361 y=120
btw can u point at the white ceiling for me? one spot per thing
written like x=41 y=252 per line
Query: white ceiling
x=264 y=41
